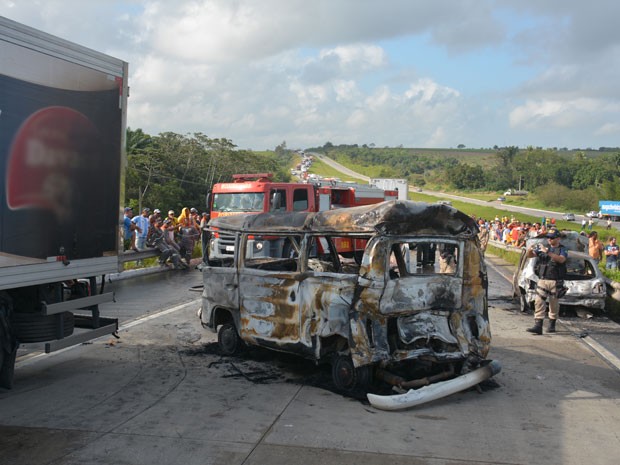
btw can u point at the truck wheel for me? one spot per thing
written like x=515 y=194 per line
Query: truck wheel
x=228 y=340
x=32 y=327
x=7 y=368
x=348 y=378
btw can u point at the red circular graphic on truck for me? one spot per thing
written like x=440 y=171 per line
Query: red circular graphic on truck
x=49 y=154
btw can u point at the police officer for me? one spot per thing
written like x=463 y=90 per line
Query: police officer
x=551 y=270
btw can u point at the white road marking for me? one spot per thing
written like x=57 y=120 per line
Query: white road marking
x=34 y=357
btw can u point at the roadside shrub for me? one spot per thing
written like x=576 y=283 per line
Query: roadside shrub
x=564 y=198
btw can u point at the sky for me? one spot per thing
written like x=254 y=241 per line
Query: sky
x=416 y=73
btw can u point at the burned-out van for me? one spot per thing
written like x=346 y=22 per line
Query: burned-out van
x=413 y=311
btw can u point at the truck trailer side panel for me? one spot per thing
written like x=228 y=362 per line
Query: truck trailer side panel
x=62 y=126
x=62 y=138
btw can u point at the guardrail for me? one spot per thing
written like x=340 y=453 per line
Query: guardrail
x=133 y=256
x=501 y=245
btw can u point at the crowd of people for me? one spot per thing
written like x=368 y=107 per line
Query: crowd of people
x=174 y=236
x=510 y=231
x=552 y=257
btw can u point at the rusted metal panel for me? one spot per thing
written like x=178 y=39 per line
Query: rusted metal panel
x=396 y=217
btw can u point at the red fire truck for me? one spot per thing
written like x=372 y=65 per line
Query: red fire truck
x=258 y=193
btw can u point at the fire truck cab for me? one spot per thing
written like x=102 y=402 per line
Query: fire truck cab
x=258 y=193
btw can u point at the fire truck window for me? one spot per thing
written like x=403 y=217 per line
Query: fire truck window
x=277 y=200
x=300 y=200
x=336 y=198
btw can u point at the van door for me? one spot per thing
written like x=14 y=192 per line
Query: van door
x=326 y=293
x=220 y=285
x=515 y=277
x=269 y=295
x=421 y=281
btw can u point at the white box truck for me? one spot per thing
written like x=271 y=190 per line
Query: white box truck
x=399 y=185
x=62 y=138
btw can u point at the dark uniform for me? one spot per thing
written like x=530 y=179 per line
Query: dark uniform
x=551 y=270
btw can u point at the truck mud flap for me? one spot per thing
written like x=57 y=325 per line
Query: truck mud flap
x=415 y=397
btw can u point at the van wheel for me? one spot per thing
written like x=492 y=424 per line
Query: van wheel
x=228 y=340
x=348 y=378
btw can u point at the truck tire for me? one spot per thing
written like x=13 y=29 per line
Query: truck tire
x=7 y=368
x=31 y=327
x=8 y=342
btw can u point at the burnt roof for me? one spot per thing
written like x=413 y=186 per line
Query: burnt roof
x=394 y=217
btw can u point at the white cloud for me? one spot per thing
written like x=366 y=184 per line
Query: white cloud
x=428 y=92
x=262 y=71
x=358 y=57
x=560 y=113
x=609 y=129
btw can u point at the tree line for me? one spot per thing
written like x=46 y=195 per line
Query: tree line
x=572 y=180
x=172 y=171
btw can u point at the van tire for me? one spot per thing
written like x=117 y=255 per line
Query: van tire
x=228 y=340
x=346 y=377
x=34 y=327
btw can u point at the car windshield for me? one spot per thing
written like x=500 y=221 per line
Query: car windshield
x=239 y=202
x=579 y=269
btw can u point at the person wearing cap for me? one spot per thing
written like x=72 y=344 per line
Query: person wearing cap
x=551 y=270
x=142 y=223
x=195 y=217
x=129 y=230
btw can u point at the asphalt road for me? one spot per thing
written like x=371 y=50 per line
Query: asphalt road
x=161 y=394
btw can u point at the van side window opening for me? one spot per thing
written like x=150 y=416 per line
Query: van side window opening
x=273 y=253
x=321 y=256
x=300 y=200
x=423 y=258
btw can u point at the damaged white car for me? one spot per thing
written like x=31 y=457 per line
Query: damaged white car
x=412 y=314
x=584 y=282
